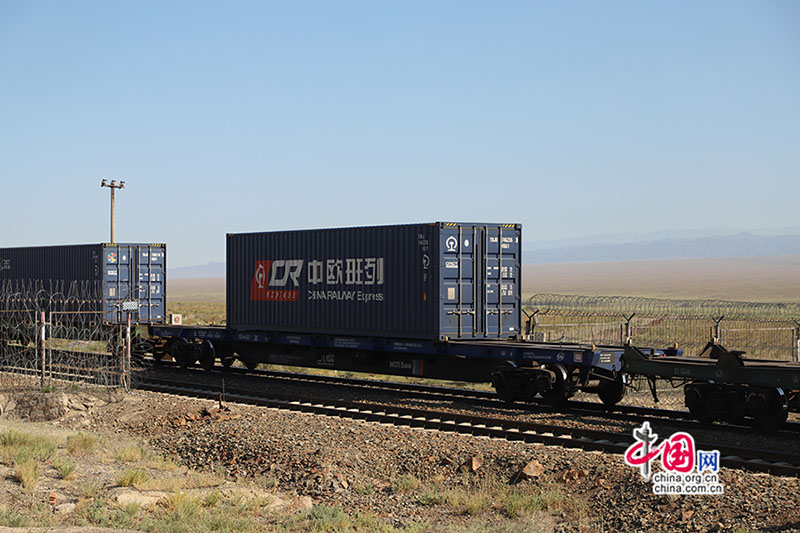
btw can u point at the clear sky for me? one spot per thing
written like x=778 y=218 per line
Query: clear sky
x=573 y=118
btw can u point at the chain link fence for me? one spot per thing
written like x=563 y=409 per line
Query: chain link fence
x=764 y=331
x=52 y=337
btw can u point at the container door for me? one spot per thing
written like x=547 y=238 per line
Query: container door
x=459 y=291
x=480 y=276
x=134 y=282
x=151 y=274
x=116 y=281
x=501 y=283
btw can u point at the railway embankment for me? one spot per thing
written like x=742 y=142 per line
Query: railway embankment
x=339 y=471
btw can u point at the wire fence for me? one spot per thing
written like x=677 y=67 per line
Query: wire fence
x=763 y=330
x=52 y=337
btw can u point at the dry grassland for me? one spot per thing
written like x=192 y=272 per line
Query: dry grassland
x=753 y=279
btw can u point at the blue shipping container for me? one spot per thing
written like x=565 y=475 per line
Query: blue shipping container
x=105 y=276
x=442 y=280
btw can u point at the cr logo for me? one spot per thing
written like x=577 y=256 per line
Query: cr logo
x=451 y=244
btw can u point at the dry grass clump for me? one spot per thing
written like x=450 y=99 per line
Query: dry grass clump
x=405 y=484
x=16 y=446
x=81 y=444
x=64 y=466
x=131 y=454
x=25 y=452
x=483 y=494
x=133 y=477
x=26 y=472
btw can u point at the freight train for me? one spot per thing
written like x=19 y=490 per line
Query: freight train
x=437 y=300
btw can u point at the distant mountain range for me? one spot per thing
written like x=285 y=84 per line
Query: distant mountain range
x=739 y=245
x=613 y=247
x=631 y=237
x=215 y=269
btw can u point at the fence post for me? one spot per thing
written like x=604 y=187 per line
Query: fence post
x=50 y=354
x=127 y=362
x=716 y=332
x=42 y=332
x=796 y=340
x=628 y=331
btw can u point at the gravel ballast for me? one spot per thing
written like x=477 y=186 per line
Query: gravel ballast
x=393 y=471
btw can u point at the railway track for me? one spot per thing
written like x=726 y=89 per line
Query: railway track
x=776 y=463
x=533 y=432
x=627 y=413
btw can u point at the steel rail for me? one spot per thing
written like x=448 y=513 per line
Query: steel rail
x=628 y=413
x=776 y=463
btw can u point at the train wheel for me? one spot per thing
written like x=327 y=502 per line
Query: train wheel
x=697 y=408
x=182 y=352
x=227 y=362
x=503 y=383
x=774 y=412
x=251 y=364
x=612 y=392
x=559 y=391
x=557 y=395
x=505 y=393
x=207 y=355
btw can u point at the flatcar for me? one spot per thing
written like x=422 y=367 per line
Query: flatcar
x=437 y=300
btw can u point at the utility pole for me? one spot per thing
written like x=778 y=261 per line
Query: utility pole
x=113 y=186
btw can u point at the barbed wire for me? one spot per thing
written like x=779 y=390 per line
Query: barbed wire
x=626 y=305
x=79 y=347
x=763 y=330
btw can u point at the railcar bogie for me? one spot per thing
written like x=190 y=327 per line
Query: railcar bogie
x=762 y=407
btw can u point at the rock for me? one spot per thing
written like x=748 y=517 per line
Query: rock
x=275 y=503
x=473 y=463
x=302 y=503
x=686 y=516
x=76 y=404
x=42 y=407
x=531 y=470
x=571 y=475
x=64 y=508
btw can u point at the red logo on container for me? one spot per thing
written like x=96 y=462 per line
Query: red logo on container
x=264 y=277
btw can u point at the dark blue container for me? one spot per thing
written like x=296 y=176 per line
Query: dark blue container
x=108 y=279
x=442 y=280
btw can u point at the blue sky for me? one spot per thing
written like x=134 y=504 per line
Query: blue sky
x=573 y=118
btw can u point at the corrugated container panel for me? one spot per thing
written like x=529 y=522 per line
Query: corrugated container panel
x=102 y=275
x=420 y=281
